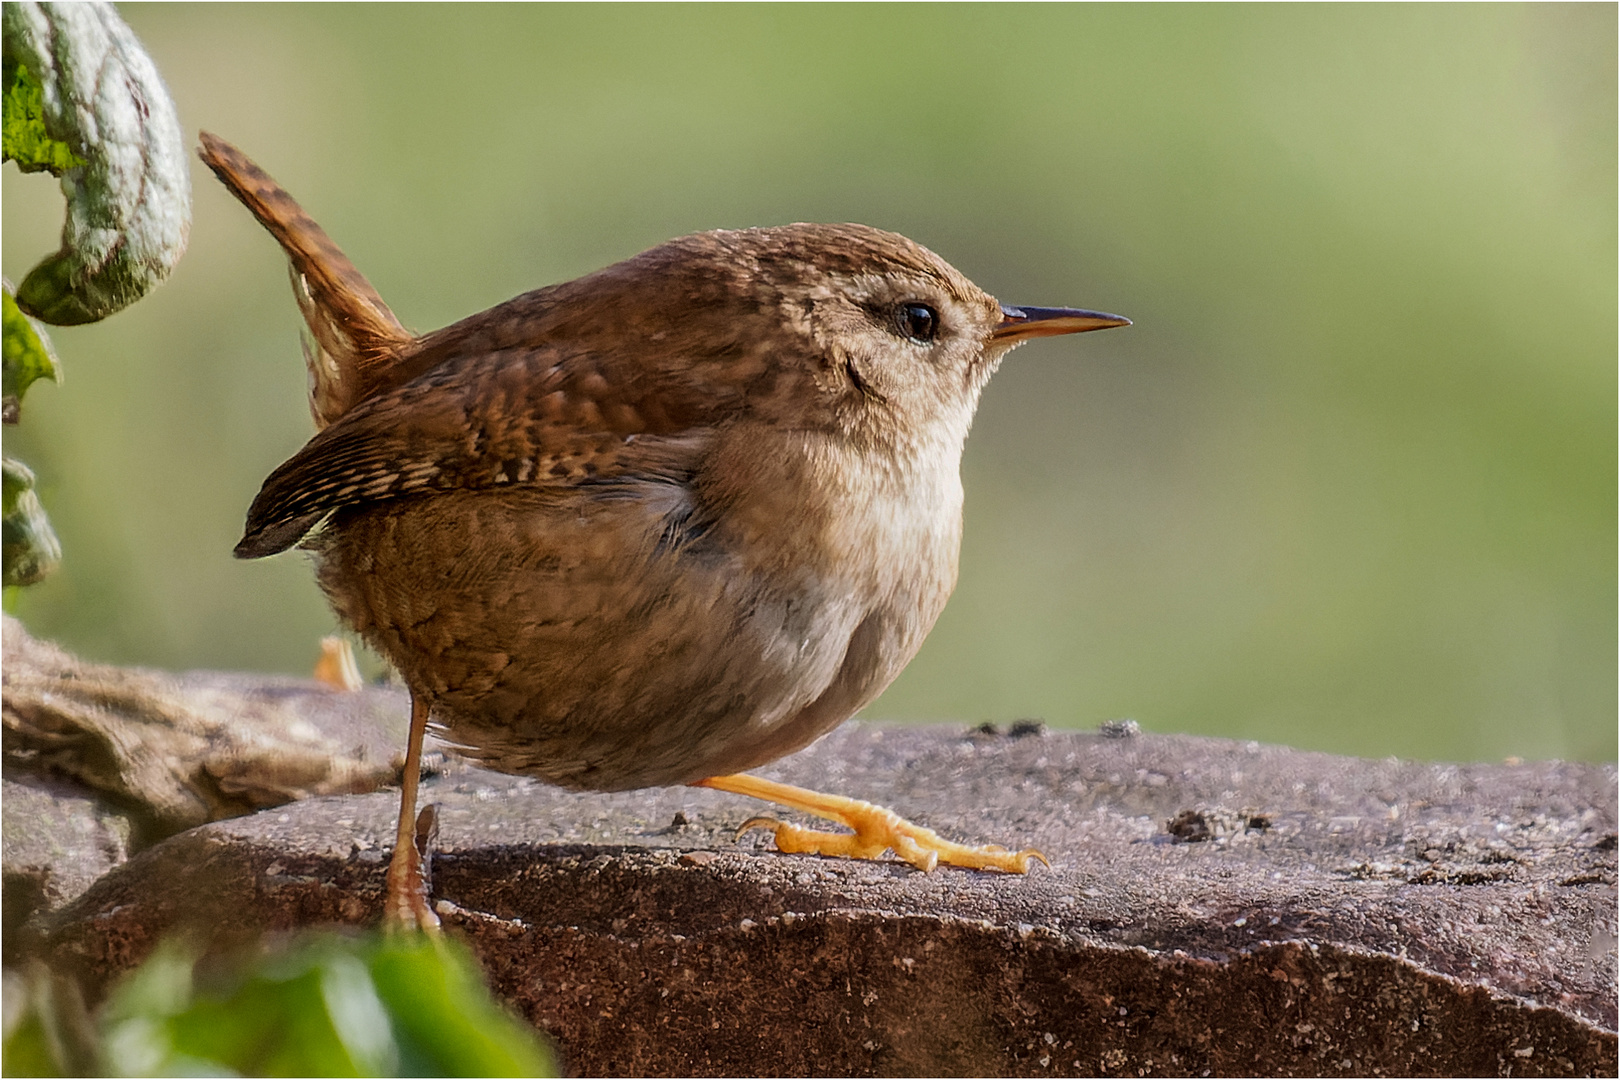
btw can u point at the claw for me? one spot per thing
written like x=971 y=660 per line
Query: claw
x=760 y=822
x=876 y=830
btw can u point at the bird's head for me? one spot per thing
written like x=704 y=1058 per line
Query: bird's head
x=844 y=325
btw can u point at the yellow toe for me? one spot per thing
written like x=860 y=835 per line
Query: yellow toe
x=876 y=830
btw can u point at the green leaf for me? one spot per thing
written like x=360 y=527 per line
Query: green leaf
x=27 y=356
x=22 y=132
x=47 y=1029
x=29 y=547
x=129 y=200
x=322 y=1005
x=445 y=1021
x=28 y=1048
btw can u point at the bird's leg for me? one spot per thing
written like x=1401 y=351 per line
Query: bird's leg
x=406 y=903
x=876 y=830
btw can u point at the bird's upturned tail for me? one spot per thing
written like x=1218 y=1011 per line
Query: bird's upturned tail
x=356 y=337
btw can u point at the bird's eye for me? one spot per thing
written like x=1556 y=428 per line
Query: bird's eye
x=919 y=322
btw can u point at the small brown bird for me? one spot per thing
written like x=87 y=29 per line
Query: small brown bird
x=658 y=525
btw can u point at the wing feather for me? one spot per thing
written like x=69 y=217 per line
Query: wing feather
x=544 y=416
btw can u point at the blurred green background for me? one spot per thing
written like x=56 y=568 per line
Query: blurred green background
x=1348 y=484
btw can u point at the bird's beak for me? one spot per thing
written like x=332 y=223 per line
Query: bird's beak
x=1022 y=323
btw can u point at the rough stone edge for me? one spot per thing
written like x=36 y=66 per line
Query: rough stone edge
x=116 y=931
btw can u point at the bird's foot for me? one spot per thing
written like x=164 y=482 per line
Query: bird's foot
x=407 y=906
x=337 y=667
x=876 y=830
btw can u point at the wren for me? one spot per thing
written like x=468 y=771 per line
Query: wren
x=658 y=525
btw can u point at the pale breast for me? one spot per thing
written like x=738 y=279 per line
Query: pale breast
x=878 y=540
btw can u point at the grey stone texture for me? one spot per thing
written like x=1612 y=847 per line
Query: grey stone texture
x=176 y=750
x=55 y=841
x=1212 y=906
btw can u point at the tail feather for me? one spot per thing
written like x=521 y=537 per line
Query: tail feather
x=356 y=337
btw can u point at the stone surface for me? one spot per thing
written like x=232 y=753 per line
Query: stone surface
x=55 y=841
x=1342 y=917
x=173 y=751
x=103 y=761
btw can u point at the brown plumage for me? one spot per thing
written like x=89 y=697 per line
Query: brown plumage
x=668 y=521
x=356 y=338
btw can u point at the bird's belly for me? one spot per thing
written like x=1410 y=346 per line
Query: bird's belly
x=572 y=638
